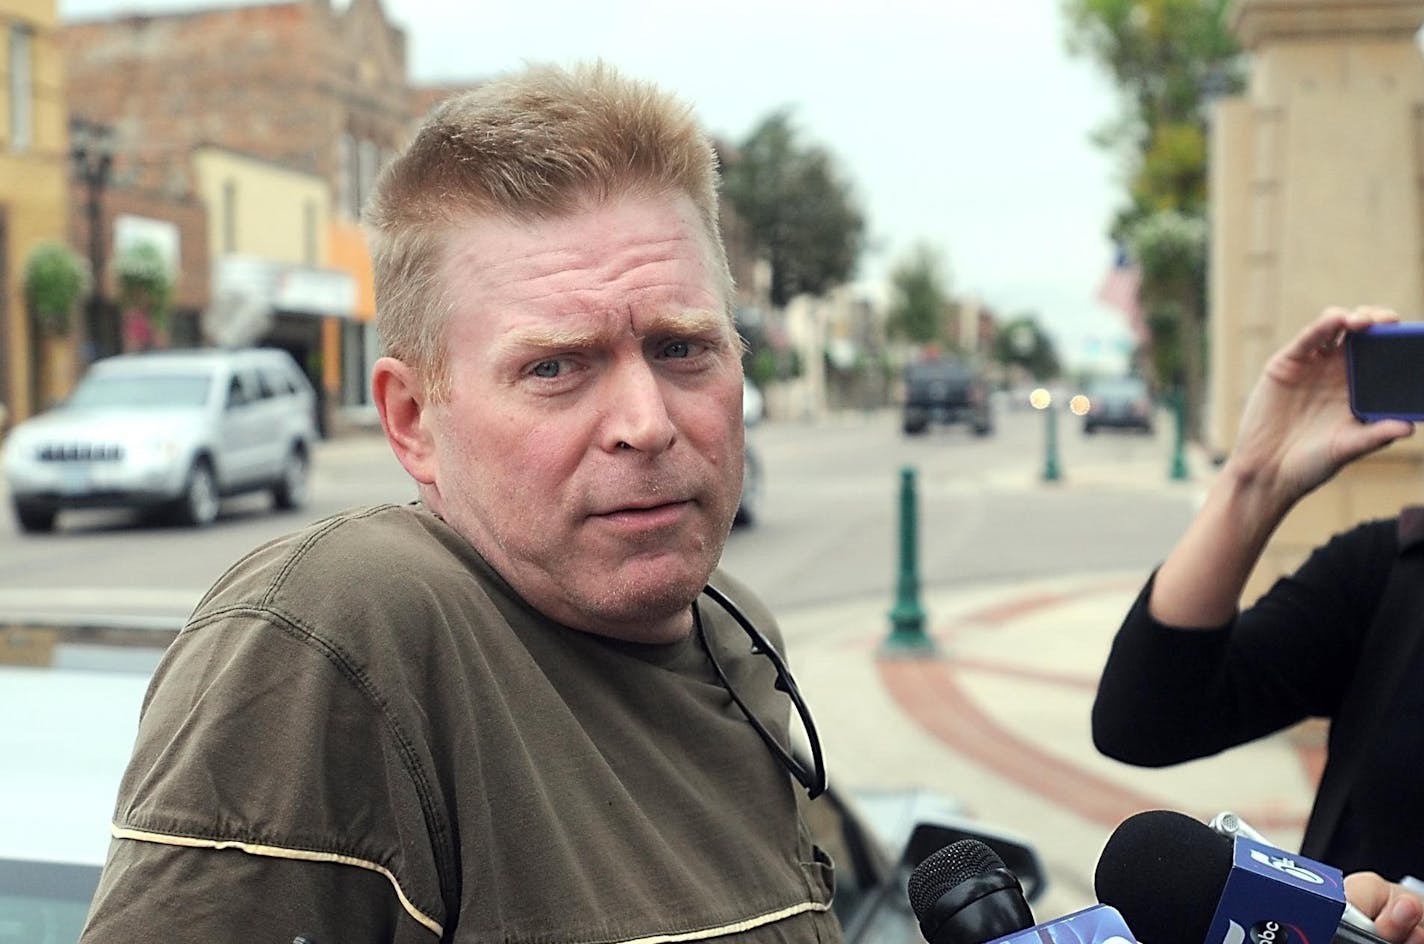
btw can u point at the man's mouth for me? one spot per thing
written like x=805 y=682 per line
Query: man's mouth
x=649 y=514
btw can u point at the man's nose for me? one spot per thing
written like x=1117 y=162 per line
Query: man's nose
x=637 y=412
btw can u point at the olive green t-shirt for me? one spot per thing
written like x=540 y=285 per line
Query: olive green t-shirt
x=363 y=734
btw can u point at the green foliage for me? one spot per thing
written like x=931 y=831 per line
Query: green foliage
x=1167 y=57
x=144 y=281
x=919 y=297
x=800 y=213
x=765 y=363
x=56 y=278
x=1022 y=342
x=1171 y=249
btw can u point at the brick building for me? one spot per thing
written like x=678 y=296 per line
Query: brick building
x=299 y=84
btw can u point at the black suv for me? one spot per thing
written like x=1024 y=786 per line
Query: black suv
x=942 y=391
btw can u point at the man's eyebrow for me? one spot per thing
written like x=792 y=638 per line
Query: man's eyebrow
x=690 y=322
x=551 y=338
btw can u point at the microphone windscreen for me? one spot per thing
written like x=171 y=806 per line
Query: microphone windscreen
x=942 y=870
x=1164 y=872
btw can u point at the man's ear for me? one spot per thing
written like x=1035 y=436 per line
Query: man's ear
x=402 y=404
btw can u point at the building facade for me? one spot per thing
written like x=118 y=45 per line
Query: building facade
x=300 y=85
x=1317 y=199
x=33 y=185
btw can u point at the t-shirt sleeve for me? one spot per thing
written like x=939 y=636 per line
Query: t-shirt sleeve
x=155 y=892
x=1169 y=694
x=271 y=793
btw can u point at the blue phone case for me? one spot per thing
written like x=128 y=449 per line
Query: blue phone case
x=1385 y=367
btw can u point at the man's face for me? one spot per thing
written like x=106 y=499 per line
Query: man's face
x=591 y=444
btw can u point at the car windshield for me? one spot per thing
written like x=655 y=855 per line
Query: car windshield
x=937 y=370
x=1126 y=388
x=110 y=391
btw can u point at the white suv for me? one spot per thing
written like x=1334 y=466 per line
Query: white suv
x=174 y=430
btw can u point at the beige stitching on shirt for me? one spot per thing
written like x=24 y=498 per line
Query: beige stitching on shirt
x=770 y=917
x=280 y=852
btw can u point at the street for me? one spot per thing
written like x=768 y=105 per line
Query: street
x=828 y=529
x=830 y=525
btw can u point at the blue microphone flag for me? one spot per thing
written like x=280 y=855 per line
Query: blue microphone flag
x=1098 y=924
x=1273 y=897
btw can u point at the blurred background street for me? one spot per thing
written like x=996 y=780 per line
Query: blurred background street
x=931 y=211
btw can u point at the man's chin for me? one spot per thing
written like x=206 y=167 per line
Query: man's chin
x=642 y=606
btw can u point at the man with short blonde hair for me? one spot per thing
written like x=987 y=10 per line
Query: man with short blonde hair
x=527 y=708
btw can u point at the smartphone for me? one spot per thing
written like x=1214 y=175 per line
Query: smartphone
x=1385 y=364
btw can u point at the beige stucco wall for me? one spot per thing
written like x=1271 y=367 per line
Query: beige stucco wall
x=1316 y=200
x=33 y=187
x=270 y=207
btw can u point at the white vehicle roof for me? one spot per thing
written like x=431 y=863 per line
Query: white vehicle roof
x=181 y=360
x=66 y=739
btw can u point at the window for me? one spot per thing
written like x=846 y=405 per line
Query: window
x=348 y=199
x=309 y=245
x=368 y=157
x=21 y=88
x=229 y=216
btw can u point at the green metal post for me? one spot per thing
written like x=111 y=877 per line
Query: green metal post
x=1050 y=444
x=1179 y=459
x=907 y=618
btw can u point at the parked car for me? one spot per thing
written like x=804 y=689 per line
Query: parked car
x=171 y=430
x=749 y=507
x=63 y=766
x=1119 y=403
x=946 y=391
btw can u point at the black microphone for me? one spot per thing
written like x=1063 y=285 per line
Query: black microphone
x=1178 y=881
x=964 y=894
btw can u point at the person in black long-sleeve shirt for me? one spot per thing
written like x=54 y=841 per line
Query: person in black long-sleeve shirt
x=1189 y=675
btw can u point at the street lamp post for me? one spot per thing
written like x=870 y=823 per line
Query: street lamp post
x=91 y=149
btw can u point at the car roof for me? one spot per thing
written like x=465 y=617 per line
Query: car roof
x=1118 y=384
x=63 y=763
x=940 y=368
x=188 y=359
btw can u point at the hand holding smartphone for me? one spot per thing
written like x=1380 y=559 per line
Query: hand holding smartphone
x=1385 y=365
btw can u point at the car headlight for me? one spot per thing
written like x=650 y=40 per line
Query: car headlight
x=160 y=449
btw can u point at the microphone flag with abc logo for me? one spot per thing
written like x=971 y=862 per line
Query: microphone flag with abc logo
x=1177 y=881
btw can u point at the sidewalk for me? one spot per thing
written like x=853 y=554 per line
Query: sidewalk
x=998 y=718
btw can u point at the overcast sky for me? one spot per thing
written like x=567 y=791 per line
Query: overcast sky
x=962 y=123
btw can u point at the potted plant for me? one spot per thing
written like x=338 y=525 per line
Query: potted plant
x=145 y=288
x=56 y=278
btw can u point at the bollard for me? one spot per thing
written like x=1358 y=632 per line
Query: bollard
x=1050 y=449
x=1178 y=471
x=1042 y=399
x=907 y=618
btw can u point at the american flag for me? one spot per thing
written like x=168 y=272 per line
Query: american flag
x=1119 y=290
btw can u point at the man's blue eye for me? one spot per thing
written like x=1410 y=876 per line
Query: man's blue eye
x=546 y=369
x=677 y=349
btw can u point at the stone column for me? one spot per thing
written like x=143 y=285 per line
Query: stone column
x=1316 y=199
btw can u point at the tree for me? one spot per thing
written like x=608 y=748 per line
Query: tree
x=799 y=211
x=1023 y=343
x=1167 y=57
x=919 y=297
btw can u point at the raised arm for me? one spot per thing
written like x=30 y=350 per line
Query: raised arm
x=1296 y=432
